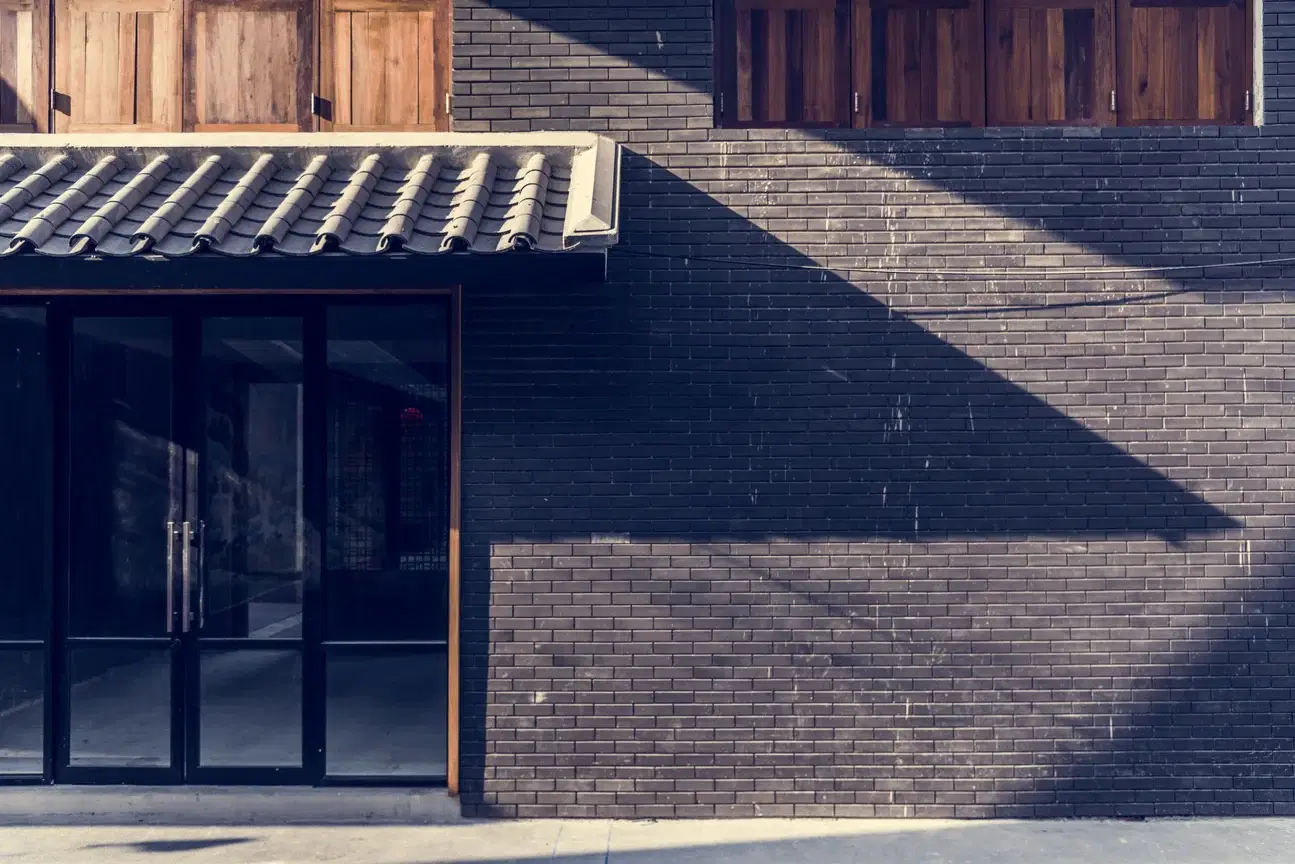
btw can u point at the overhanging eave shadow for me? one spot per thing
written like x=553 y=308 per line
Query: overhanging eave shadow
x=707 y=402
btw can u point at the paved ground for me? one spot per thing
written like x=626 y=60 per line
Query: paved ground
x=599 y=842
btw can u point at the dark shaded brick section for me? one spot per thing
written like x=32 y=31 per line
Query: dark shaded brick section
x=746 y=539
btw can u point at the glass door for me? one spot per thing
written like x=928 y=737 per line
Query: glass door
x=125 y=512
x=182 y=649
x=249 y=540
x=251 y=545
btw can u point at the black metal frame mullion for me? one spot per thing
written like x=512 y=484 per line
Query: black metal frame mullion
x=58 y=366
x=315 y=501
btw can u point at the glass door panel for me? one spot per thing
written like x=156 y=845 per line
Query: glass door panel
x=250 y=544
x=24 y=538
x=125 y=506
x=386 y=580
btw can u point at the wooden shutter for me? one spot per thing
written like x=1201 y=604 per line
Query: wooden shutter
x=1050 y=61
x=385 y=64
x=117 y=65
x=24 y=65
x=784 y=62
x=919 y=62
x=1183 y=61
x=248 y=64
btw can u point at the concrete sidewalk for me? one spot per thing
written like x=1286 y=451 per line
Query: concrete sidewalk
x=1202 y=841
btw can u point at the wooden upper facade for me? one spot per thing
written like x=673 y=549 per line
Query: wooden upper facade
x=835 y=63
x=224 y=65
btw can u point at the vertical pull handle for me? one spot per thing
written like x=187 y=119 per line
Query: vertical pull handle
x=170 y=576
x=186 y=543
x=202 y=574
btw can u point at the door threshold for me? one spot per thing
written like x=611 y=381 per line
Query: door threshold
x=224 y=805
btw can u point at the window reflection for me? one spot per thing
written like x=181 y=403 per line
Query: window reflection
x=388 y=472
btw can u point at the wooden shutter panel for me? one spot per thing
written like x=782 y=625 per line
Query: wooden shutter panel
x=1050 y=61
x=248 y=64
x=785 y=63
x=1183 y=61
x=117 y=65
x=24 y=65
x=919 y=62
x=385 y=64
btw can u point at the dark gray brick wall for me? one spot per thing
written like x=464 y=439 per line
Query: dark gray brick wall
x=745 y=537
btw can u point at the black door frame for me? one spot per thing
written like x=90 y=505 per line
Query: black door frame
x=187 y=310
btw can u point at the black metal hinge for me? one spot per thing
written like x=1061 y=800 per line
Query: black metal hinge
x=321 y=107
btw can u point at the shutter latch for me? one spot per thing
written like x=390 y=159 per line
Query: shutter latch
x=856 y=101
x=1112 y=100
x=1247 y=102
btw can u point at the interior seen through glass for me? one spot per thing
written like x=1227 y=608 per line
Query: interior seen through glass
x=190 y=544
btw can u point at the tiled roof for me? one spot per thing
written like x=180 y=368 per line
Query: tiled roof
x=362 y=194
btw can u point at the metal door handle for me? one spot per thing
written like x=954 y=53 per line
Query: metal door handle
x=185 y=559
x=170 y=576
x=202 y=573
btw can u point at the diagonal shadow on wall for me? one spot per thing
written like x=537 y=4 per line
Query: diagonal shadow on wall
x=710 y=406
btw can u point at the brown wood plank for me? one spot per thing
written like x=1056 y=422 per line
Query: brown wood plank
x=1078 y=77
x=782 y=5
x=948 y=72
x=905 y=72
x=1038 y=68
x=61 y=76
x=1054 y=77
x=144 y=56
x=998 y=46
x=1211 y=90
x=745 y=79
x=126 y=65
x=775 y=102
x=42 y=63
x=974 y=41
x=102 y=49
x=1180 y=4
x=916 y=5
x=861 y=61
x=1231 y=64
x=1020 y=67
x=245 y=63
x=1178 y=73
x=216 y=45
x=1143 y=68
x=1235 y=78
x=795 y=48
x=10 y=61
x=893 y=61
x=24 y=80
x=929 y=60
x=340 y=62
x=402 y=70
x=818 y=53
x=368 y=42
x=1103 y=61
x=120 y=6
x=431 y=89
